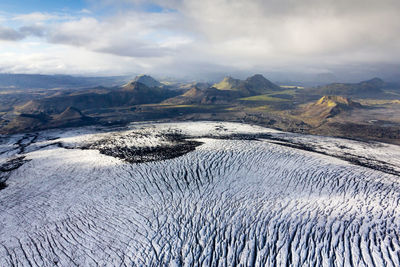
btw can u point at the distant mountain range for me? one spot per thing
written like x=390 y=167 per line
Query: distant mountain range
x=144 y=89
x=334 y=109
x=370 y=88
x=39 y=81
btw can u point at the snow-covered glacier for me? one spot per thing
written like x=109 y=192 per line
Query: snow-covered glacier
x=197 y=194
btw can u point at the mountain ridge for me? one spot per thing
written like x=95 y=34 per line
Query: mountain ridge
x=369 y=88
x=130 y=94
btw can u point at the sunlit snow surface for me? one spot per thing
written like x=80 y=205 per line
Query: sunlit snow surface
x=247 y=195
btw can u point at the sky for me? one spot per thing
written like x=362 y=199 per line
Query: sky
x=286 y=39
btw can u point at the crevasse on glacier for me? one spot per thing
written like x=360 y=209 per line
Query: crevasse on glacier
x=228 y=201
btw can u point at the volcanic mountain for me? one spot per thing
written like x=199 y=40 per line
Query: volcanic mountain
x=258 y=84
x=254 y=85
x=148 y=81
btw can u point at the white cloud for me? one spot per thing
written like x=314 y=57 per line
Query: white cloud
x=85 y=11
x=32 y=57
x=36 y=17
x=134 y=35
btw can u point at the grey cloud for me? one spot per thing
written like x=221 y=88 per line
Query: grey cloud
x=9 y=34
x=135 y=50
x=34 y=30
x=57 y=37
x=289 y=29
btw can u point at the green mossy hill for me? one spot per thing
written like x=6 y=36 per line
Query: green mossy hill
x=329 y=106
x=228 y=83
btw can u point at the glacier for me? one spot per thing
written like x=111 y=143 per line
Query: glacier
x=197 y=194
